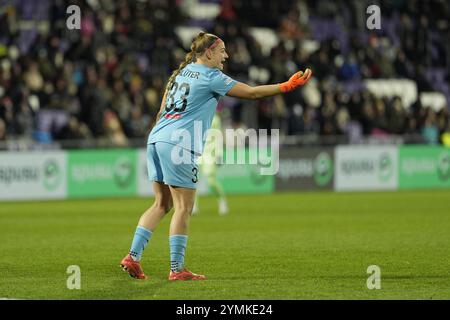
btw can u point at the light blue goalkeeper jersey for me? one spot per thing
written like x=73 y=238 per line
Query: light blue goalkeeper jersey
x=190 y=107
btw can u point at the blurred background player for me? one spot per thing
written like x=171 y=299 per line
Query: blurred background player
x=208 y=164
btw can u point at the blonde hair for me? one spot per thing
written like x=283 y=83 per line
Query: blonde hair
x=199 y=44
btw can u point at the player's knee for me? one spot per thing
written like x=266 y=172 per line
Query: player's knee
x=184 y=209
x=163 y=206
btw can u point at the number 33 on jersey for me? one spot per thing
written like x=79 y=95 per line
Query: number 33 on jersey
x=193 y=97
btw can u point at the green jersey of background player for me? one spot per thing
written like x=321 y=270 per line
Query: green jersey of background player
x=208 y=169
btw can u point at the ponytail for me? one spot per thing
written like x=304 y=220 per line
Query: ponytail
x=188 y=59
x=202 y=41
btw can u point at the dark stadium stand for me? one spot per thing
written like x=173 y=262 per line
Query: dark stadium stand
x=105 y=81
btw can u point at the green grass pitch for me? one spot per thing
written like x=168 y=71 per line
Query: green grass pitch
x=309 y=245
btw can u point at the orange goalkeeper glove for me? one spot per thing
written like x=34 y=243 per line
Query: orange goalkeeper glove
x=297 y=80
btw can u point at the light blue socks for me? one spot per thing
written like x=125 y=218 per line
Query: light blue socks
x=177 y=244
x=140 y=240
x=177 y=250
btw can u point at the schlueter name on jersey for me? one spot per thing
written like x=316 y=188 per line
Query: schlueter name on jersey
x=190 y=74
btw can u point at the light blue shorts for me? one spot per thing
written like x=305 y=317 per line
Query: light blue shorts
x=172 y=165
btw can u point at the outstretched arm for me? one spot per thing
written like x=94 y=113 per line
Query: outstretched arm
x=244 y=91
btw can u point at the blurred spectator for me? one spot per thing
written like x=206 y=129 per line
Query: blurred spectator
x=2 y=130
x=74 y=130
x=350 y=68
x=411 y=125
x=342 y=121
x=430 y=131
x=113 y=130
x=380 y=122
x=137 y=125
x=310 y=124
x=33 y=78
x=396 y=116
x=367 y=118
x=121 y=103
x=443 y=120
x=400 y=65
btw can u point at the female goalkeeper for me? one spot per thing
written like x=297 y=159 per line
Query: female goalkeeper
x=177 y=139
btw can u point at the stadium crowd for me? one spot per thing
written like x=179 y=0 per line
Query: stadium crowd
x=106 y=80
